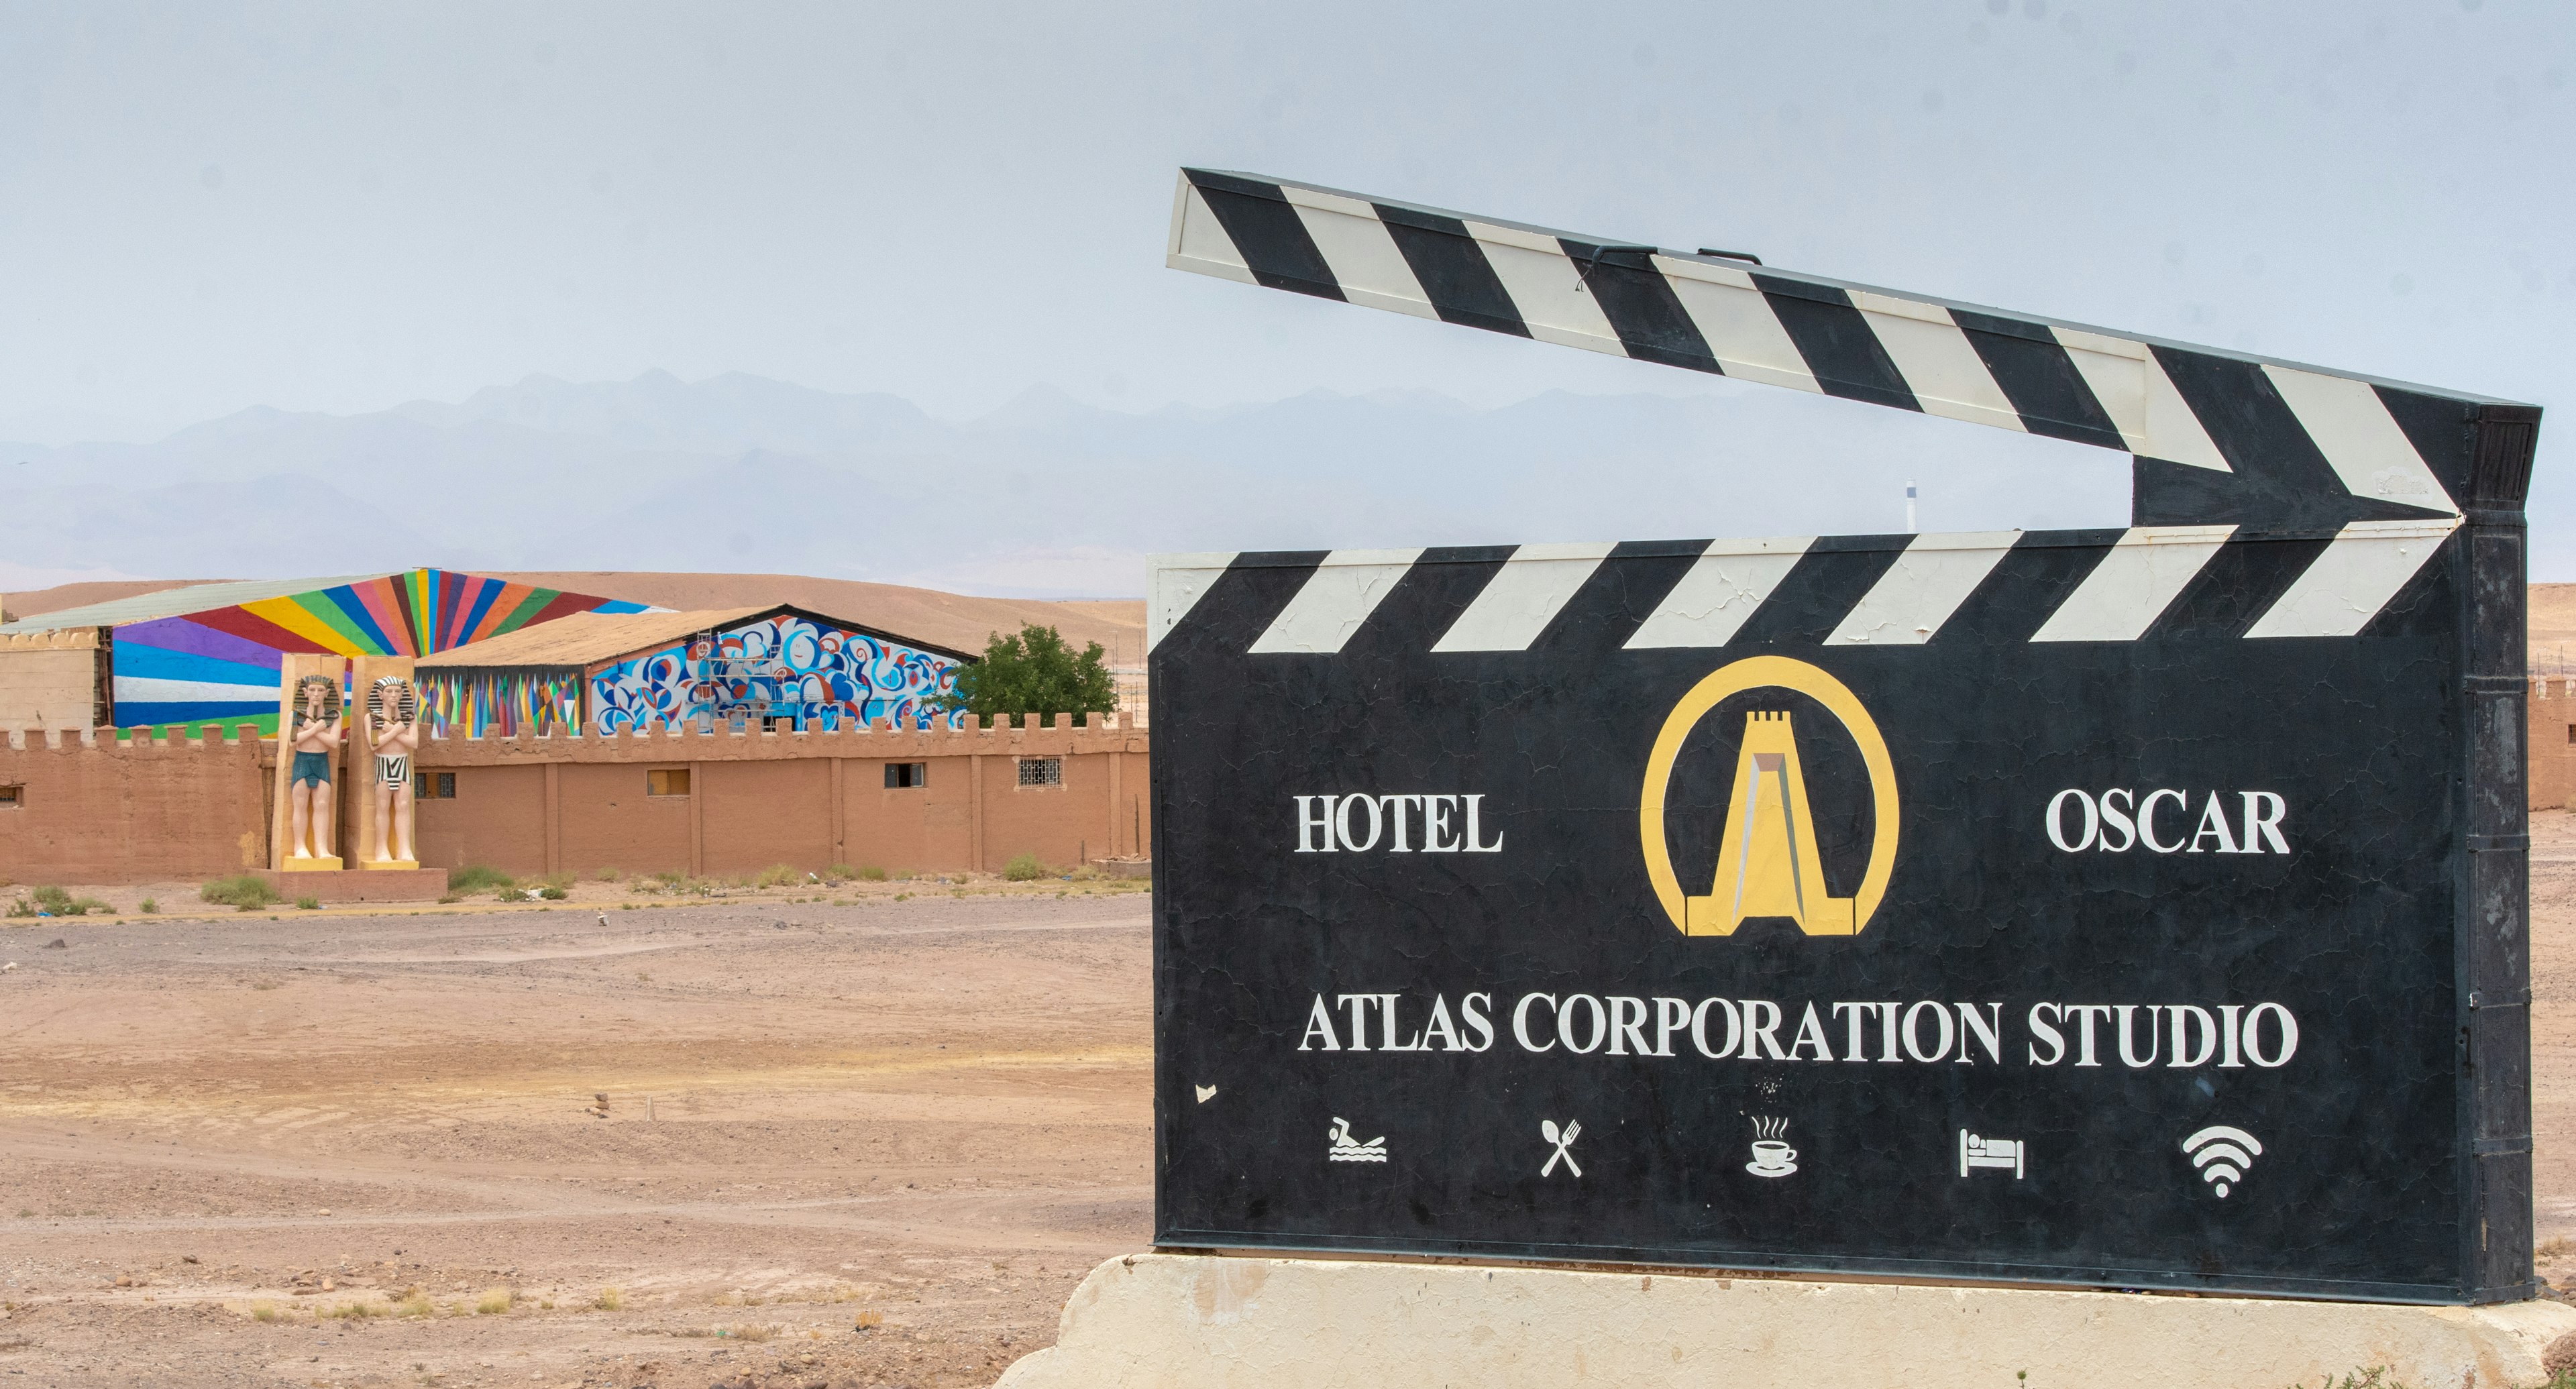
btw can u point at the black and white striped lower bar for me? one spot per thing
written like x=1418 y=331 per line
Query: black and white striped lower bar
x=2306 y=445
x=2037 y=586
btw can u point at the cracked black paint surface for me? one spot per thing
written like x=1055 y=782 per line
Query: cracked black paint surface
x=2358 y=1191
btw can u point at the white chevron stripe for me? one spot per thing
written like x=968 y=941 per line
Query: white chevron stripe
x=1540 y=278
x=2174 y=433
x=2141 y=399
x=1939 y=365
x=2353 y=429
x=2134 y=583
x=2345 y=588
x=1920 y=591
x=1365 y=262
x=1736 y=320
x=1199 y=243
x=1532 y=586
x=1332 y=604
x=1174 y=584
x=1727 y=584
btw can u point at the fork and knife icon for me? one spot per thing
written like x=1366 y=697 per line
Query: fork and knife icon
x=1563 y=1140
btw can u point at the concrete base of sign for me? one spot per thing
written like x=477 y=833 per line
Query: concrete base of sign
x=1206 y=1320
x=396 y=885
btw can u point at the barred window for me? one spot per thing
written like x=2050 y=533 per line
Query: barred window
x=12 y=796
x=433 y=786
x=1042 y=771
x=904 y=776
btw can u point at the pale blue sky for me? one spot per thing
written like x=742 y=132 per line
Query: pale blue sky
x=205 y=207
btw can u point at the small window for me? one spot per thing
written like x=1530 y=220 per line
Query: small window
x=905 y=776
x=2571 y=733
x=434 y=786
x=11 y=796
x=1042 y=771
x=673 y=782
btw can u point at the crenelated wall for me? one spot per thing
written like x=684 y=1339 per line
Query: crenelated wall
x=49 y=679
x=2552 y=744
x=94 y=810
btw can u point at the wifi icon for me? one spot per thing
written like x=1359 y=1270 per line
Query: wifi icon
x=2222 y=1154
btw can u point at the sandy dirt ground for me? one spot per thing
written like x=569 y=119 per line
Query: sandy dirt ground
x=334 y=1148
x=327 y=1148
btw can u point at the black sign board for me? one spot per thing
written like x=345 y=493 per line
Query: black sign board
x=2137 y=908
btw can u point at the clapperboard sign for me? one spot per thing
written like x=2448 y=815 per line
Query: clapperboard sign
x=2133 y=908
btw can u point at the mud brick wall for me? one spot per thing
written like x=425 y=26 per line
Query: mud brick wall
x=91 y=809
x=98 y=811
x=49 y=679
x=2552 y=745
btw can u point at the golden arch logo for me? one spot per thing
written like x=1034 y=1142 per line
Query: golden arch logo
x=1767 y=864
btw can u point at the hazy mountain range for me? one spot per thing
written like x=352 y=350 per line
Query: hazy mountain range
x=1044 y=497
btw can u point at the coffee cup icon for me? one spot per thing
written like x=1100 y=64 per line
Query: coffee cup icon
x=1772 y=1158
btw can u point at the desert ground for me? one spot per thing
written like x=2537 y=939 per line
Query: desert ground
x=594 y=1143
x=570 y=1143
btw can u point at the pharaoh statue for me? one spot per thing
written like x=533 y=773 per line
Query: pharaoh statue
x=313 y=739
x=393 y=731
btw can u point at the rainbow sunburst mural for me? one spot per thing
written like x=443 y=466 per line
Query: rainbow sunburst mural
x=220 y=666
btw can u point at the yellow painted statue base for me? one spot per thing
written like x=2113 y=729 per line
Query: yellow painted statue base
x=310 y=865
x=405 y=865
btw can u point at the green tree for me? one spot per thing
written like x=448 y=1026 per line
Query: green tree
x=1034 y=672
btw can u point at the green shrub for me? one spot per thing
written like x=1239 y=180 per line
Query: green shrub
x=465 y=881
x=55 y=900
x=1033 y=674
x=148 y=907
x=1026 y=869
x=552 y=893
x=243 y=892
x=872 y=874
x=310 y=904
x=22 y=907
x=777 y=875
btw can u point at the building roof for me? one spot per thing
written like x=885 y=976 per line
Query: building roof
x=587 y=639
x=176 y=602
x=594 y=639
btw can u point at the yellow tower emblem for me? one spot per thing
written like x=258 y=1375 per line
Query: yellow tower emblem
x=1767 y=864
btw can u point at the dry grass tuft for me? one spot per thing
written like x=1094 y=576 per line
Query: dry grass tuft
x=494 y=1301
x=610 y=1300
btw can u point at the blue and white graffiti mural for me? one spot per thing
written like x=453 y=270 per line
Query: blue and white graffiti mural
x=786 y=666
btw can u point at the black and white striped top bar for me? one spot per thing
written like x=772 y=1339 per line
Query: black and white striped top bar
x=2144 y=583
x=2226 y=447
x=2277 y=444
